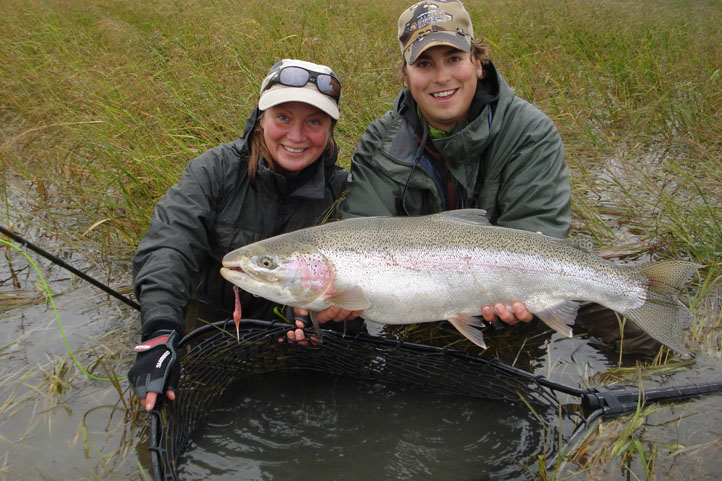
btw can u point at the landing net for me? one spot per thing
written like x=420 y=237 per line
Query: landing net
x=213 y=360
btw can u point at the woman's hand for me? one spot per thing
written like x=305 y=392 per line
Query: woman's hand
x=302 y=319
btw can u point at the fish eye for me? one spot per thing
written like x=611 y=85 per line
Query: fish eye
x=267 y=262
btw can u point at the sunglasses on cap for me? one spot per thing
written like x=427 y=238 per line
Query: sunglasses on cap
x=293 y=76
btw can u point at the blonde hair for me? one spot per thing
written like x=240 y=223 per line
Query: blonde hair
x=257 y=148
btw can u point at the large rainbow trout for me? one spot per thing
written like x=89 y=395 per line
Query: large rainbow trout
x=405 y=270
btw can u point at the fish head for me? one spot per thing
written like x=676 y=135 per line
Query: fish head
x=280 y=271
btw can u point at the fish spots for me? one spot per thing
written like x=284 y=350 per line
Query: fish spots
x=391 y=261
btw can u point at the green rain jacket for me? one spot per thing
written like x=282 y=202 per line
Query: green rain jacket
x=213 y=209
x=508 y=159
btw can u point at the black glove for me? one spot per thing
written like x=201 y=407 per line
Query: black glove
x=157 y=367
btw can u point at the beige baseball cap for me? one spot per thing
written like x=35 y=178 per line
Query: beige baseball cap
x=293 y=80
x=430 y=23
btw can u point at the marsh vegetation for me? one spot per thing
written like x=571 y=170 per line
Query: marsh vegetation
x=103 y=103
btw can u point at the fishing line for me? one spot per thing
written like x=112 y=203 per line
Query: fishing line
x=65 y=265
x=57 y=316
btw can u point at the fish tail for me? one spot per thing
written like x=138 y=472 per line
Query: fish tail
x=662 y=315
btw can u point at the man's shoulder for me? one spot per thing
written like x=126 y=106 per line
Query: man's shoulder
x=381 y=136
x=521 y=113
x=385 y=126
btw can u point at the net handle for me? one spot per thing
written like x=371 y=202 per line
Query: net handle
x=616 y=400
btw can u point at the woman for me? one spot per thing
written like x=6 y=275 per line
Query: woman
x=281 y=175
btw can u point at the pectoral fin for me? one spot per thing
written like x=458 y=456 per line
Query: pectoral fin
x=464 y=324
x=352 y=299
x=560 y=316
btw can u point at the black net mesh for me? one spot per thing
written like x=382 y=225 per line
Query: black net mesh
x=214 y=360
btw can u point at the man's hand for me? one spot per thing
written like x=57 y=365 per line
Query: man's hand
x=156 y=369
x=518 y=313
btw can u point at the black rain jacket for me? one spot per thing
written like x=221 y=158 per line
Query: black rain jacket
x=212 y=210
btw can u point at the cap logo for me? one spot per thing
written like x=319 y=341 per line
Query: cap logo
x=418 y=26
x=430 y=23
x=432 y=16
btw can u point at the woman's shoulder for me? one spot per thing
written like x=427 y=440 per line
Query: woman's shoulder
x=219 y=167
x=223 y=158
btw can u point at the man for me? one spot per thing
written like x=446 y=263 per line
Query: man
x=458 y=137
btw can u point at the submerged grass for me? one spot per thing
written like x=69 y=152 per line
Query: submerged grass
x=105 y=102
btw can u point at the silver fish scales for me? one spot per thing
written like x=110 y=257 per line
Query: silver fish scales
x=404 y=270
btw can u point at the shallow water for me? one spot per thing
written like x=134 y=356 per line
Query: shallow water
x=307 y=425
x=57 y=424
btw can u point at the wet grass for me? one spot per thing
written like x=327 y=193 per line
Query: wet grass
x=43 y=395
x=105 y=102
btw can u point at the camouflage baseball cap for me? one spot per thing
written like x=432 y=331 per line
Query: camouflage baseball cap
x=430 y=23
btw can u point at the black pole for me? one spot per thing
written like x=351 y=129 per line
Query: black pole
x=613 y=400
x=56 y=260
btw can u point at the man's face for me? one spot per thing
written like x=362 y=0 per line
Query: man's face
x=443 y=82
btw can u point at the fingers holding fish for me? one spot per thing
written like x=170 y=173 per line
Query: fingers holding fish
x=336 y=314
x=518 y=313
x=407 y=270
x=298 y=335
x=302 y=319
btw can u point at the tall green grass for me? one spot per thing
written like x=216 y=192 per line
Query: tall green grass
x=103 y=103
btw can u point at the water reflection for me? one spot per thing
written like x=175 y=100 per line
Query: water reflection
x=310 y=425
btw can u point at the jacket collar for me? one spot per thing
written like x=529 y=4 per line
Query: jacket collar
x=465 y=145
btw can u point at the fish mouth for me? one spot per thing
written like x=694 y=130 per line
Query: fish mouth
x=236 y=269
x=236 y=273
x=232 y=273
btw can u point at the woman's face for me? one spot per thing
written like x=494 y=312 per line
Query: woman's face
x=443 y=82
x=295 y=134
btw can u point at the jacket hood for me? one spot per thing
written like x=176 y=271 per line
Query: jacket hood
x=243 y=141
